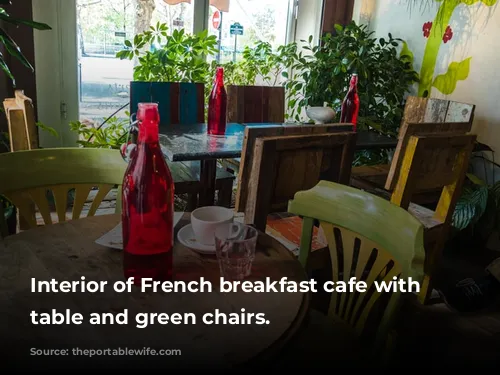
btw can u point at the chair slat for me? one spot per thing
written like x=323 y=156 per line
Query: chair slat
x=81 y=195
x=39 y=196
x=101 y=194
x=60 y=193
x=23 y=203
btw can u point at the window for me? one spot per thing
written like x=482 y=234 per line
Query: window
x=242 y=23
x=92 y=84
x=103 y=26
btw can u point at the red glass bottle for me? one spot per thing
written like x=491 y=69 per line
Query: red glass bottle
x=350 y=105
x=147 y=204
x=217 y=106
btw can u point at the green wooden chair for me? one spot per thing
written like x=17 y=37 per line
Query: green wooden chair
x=28 y=176
x=370 y=239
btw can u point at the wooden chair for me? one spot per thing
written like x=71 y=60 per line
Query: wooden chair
x=440 y=163
x=246 y=175
x=422 y=116
x=362 y=248
x=20 y=114
x=284 y=165
x=28 y=176
x=253 y=105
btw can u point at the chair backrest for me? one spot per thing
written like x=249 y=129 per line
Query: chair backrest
x=179 y=103
x=253 y=132
x=425 y=116
x=434 y=162
x=20 y=115
x=255 y=104
x=362 y=248
x=285 y=165
x=28 y=176
x=437 y=162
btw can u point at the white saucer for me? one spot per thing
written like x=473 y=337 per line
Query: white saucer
x=187 y=238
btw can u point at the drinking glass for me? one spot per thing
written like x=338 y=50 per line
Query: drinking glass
x=235 y=245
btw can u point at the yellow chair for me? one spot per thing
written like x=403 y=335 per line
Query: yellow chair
x=369 y=239
x=27 y=176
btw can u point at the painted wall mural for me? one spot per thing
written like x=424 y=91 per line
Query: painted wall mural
x=439 y=32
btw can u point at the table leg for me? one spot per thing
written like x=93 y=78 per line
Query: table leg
x=208 y=174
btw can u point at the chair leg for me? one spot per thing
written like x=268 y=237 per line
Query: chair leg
x=192 y=203
x=225 y=194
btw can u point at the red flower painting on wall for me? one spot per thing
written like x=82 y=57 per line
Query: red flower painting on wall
x=448 y=34
x=426 y=29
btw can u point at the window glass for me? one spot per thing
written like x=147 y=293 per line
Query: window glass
x=103 y=26
x=256 y=20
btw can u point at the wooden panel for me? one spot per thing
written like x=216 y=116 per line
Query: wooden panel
x=420 y=130
x=460 y=112
x=16 y=125
x=255 y=104
x=437 y=161
x=252 y=133
x=336 y=12
x=26 y=106
x=437 y=114
x=284 y=165
x=179 y=103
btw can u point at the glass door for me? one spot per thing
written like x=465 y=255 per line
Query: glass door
x=89 y=83
x=103 y=27
x=243 y=23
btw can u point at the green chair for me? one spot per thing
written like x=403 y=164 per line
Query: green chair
x=369 y=239
x=28 y=176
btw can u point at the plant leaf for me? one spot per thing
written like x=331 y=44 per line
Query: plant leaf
x=406 y=53
x=474 y=179
x=6 y=69
x=4 y=16
x=457 y=71
x=470 y=207
x=14 y=49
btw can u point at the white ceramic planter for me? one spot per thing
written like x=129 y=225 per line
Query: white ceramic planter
x=321 y=115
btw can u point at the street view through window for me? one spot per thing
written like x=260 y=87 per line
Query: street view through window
x=105 y=25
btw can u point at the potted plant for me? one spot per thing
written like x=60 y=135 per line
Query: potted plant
x=257 y=81
x=171 y=70
x=321 y=73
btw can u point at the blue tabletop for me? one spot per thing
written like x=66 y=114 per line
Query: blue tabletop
x=191 y=142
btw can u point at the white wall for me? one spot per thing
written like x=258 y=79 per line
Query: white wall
x=476 y=32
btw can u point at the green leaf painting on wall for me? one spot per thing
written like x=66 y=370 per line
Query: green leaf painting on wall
x=457 y=71
x=439 y=32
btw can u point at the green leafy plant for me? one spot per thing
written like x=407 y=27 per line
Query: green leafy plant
x=478 y=209
x=164 y=57
x=111 y=134
x=385 y=69
x=9 y=44
x=262 y=62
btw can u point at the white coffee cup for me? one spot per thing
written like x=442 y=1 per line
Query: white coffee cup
x=206 y=220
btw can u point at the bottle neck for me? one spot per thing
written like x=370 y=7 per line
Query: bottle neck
x=148 y=132
x=219 y=77
x=353 y=85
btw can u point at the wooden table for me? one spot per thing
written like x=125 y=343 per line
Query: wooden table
x=192 y=143
x=67 y=251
